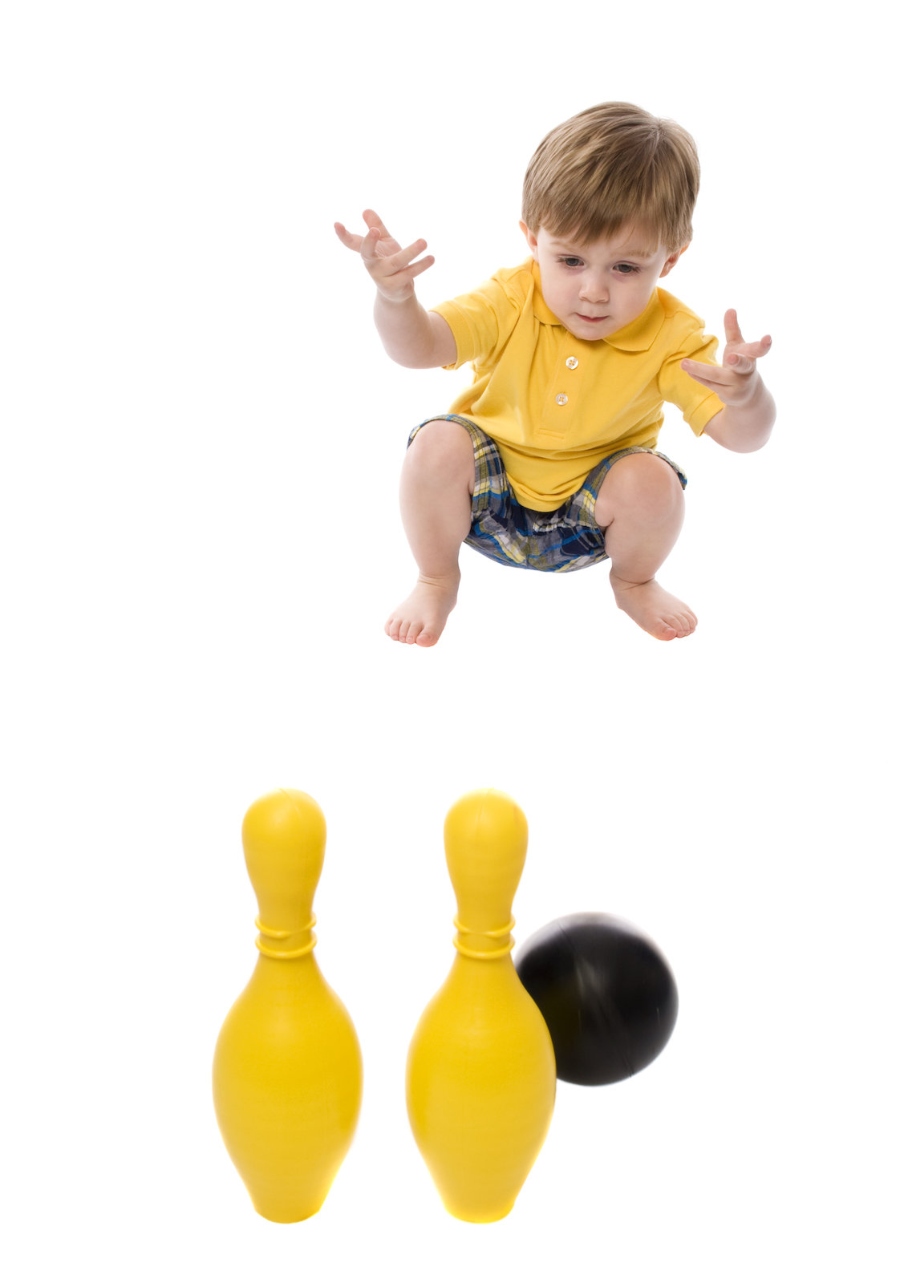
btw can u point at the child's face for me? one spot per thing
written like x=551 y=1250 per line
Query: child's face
x=597 y=288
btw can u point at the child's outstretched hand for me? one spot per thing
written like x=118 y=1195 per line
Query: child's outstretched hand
x=390 y=267
x=736 y=380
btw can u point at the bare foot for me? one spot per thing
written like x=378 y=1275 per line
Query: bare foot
x=654 y=609
x=421 y=618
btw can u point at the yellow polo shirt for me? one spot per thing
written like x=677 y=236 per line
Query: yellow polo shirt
x=556 y=405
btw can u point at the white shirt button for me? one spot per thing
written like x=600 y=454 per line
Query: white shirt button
x=572 y=362
x=561 y=399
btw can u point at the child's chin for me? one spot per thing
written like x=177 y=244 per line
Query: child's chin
x=591 y=329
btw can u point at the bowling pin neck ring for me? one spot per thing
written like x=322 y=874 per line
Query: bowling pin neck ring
x=502 y=935
x=271 y=933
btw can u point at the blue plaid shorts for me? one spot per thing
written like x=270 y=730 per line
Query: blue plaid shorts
x=567 y=539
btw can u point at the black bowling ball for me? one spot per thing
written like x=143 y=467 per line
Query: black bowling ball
x=606 y=993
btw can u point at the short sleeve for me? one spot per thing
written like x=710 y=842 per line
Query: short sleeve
x=697 y=403
x=481 y=322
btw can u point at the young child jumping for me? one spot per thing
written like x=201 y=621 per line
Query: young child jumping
x=548 y=461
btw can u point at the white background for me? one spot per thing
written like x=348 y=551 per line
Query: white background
x=201 y=440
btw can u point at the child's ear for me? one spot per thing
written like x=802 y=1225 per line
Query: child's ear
x=530 y=237
x=673 y=259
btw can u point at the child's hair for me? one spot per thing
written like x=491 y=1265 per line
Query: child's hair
x=612 y=167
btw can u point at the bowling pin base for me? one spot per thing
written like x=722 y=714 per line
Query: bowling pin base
x=478 y=1218
x=286 y=1215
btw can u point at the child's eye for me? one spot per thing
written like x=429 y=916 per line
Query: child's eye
x=626 y=269
x=571 y=261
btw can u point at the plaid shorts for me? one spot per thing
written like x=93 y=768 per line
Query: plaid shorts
x=567 y=539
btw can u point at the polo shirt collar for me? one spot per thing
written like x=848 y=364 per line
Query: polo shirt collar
x=636 y=337
x=539 y=307
x=643 y=330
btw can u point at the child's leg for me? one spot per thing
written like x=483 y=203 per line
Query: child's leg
x=640 y=508
x=436 y=506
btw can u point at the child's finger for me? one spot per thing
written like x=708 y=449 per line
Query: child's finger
x=372 y=220
x=423 y=264
x=754 y=350
x=709 y=375
x=368 y=243
x=349 y=239
x=719 y=376
x=404 y=257
x=732 y=329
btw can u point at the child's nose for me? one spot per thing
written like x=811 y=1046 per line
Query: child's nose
x=594 y=289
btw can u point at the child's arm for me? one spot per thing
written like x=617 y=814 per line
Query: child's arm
x=411 y=336
x=746 y=422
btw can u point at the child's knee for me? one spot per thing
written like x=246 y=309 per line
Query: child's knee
x=643 y=484
x=443 y=447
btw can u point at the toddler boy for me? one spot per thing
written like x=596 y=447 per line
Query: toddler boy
x=548 y=460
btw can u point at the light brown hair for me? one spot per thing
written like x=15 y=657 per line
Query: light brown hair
x=611 y=167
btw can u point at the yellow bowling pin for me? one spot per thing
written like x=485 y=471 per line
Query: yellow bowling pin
x=287 y=1071
x=480 y=1076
